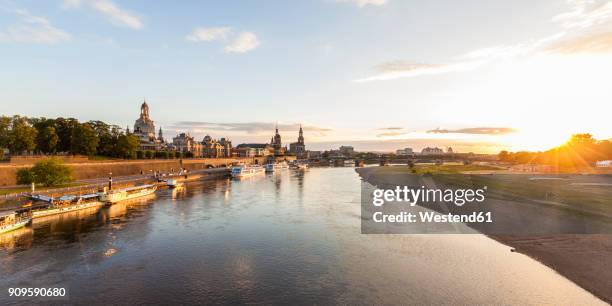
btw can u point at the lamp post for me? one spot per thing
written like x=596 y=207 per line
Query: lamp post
x=110 y=181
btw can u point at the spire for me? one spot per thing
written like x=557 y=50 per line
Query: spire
x=127 y=129
x=301 y=135
x=144 y=110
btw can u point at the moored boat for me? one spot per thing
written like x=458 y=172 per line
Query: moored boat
x=275 y=167
x=66 y=204
x=12 y=220
x=114 y=196
x=174 y=183
x=246 y=171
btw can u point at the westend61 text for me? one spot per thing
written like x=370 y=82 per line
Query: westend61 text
x=413 y=196
x=428 y=217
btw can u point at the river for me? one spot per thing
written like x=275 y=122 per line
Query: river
x=289 y=237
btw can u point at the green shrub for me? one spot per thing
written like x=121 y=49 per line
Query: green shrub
x=50 y=172
x=25 y=176
x=149 y=154
x=140 y=154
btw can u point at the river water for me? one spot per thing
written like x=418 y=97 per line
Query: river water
x=290 y=237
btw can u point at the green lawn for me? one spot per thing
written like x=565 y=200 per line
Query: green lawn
x=5 y=191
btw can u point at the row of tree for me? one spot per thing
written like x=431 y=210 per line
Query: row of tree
x=581 y=150
x=65 y=135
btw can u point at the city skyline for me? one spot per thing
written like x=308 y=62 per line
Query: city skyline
x=439 y=80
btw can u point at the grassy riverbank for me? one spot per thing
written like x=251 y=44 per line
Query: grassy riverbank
x=583 y=258
x=12 y=190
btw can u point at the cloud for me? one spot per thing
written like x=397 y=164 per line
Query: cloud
x=391 y=131
x=390 y=134
x=246 y=127
x=115 y=14
x=33 y=29
x=362 y=3
x=595 y=43
x=476 y=130
x=585 y=14
x=403 y=69
x=209 y=34
x=245 y=42
x=585 y=29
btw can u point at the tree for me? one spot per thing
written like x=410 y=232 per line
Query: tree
x=108 y=136
x=49 y=172
x=188 y=154
x=503 y=156
x=149 y=154
x=25 y=176
x=5 y=129
x=140 y=154
x=47 y=140
x=22 y=136
x=127 y=146
x=84 y=140
x=64 y=127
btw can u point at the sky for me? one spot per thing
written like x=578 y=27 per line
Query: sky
x=480 y=76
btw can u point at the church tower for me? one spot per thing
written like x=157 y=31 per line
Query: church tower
x=301 y=136
x=276 y=140
x=160 y=136
x=144 y=111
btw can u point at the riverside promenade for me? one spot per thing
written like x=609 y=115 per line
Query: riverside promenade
x=84 y=170
x=9 y=201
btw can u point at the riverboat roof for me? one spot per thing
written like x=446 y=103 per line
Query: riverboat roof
x=6 y=213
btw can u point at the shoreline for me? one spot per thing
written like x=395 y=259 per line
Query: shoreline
x=584 y=259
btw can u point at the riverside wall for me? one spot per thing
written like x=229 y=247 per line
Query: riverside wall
x=99 y=169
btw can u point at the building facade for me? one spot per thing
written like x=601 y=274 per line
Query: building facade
x=144 y=129
x=216 y=148
x=432 y=151
x=254 y=149
x=277 y=145
x=404 y=152
x=299 y=148
x=347 y=151
x=184 y=143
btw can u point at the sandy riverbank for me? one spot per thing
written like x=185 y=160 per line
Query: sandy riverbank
x=583 y=259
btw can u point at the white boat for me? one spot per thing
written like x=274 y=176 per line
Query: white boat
x=299 y=166
x=174 y=183
x=69 y=203
x=12 y=220
x=270 y=168
x=246 y=171
x=129 y=193
x=274 y=167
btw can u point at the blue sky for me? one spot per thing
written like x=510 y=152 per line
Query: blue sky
x=476 y=75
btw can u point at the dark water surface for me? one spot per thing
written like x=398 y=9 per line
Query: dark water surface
x=289 y=237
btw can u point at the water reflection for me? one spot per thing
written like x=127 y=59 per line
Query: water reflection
x=288 y=237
